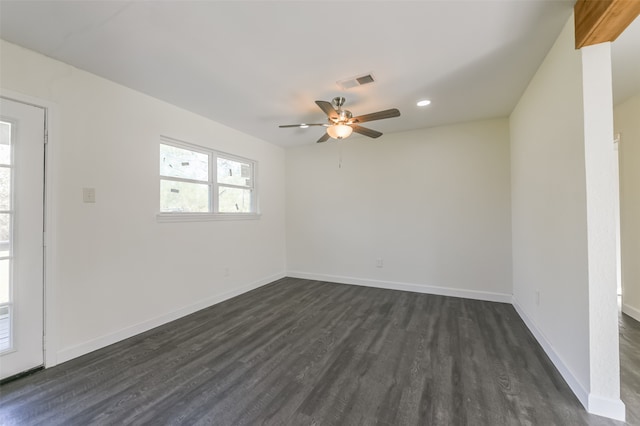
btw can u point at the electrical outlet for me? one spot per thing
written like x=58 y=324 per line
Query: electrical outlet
x=379 y=263
x=537 y=297
x=226 y=271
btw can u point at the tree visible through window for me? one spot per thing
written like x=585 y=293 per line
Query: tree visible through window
x=198 y=180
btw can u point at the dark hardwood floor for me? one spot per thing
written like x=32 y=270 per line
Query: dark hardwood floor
x=630 y=367
x=299 y=352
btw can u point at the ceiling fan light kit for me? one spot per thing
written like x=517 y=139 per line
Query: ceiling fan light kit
x=341 y=123
x=339 y=131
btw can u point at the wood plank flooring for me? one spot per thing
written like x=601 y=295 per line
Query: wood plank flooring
x=298 y=352
x=630 y=367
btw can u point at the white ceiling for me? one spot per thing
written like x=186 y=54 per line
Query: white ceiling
x=255 y=65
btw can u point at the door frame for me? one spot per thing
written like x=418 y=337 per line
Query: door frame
x=51 y=164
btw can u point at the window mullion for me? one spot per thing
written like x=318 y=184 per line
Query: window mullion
x=179 y=179
x=228 y=185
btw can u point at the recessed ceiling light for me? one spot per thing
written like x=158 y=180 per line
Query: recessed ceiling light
x=423 y=102
x=304 y=126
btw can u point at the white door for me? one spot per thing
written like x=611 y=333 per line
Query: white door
x=22 y=130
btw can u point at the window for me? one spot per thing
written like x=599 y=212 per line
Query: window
x=7 y=134
x=197 y=182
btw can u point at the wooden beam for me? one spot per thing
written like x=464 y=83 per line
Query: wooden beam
x=598 y=21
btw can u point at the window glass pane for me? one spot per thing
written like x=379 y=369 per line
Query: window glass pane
x=234 y=200
x=5 y=222
x=234 y=172
x=5 y=328
x=183 y=196
x=4 y=280
x=183 y=163
x=5 y=142
x=5 y=188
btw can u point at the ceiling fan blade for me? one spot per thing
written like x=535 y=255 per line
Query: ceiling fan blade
x=388 y=113
x=302 y=125
x=365 y=131
x=328 y=109
x=324 y=138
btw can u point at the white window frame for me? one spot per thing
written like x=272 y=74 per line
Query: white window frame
x=9 y=244
x=213 y=213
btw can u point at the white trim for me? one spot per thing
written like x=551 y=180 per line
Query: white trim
x=631 y=311
x=75 y=351
x=52 y=149
x=575 y=385
x=204 y=217
x=415 y=288
x=607 y=407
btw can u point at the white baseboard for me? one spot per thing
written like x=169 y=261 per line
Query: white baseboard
x=578 y=389
x=416 y=288
x=75 y=351
x=606 y=407
x=631 y=311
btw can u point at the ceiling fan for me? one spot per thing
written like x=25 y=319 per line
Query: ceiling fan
x=341 y=122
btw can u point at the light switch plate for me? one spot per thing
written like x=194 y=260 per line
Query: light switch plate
x=89 y=195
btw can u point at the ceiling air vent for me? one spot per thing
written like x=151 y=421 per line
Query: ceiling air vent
x=356 y=81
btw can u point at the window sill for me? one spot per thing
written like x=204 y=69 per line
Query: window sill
x=204 y=217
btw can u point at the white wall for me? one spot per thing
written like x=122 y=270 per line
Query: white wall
x=433 y=204
x=117 y=270
x=560 y=277
x=627 y=123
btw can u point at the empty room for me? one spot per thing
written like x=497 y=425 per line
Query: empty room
x=319 y=212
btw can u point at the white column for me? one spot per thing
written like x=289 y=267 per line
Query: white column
x=604 y=393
